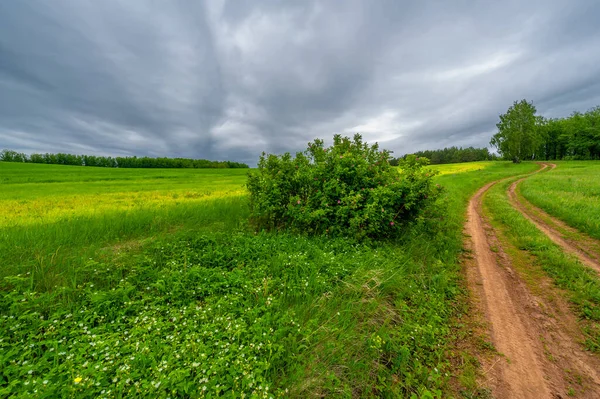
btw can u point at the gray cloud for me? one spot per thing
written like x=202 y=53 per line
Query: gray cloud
x=228 y=79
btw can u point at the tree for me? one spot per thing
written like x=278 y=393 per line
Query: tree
x=347 y=189
x=12 y=156
x=519 y=134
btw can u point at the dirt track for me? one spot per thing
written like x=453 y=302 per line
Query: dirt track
x=585 y=248
x=537 y=340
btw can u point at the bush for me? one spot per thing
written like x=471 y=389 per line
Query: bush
x=348 y=189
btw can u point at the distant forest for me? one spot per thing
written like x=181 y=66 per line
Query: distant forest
x=453 y=155
x=574 y=137
x=116 y=162
x=524 y=135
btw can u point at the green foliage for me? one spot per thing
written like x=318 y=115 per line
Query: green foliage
x=518 y=134
x=118 y=162
x=347 y=189
x=188 y=317
x=12 y=156
x=452 y=155
x=576 y=137
x=522 y=135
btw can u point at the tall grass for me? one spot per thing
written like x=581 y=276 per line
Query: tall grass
x=58 y=244
x=570 y=192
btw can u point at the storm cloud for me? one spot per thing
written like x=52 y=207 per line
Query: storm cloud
x=230 y=79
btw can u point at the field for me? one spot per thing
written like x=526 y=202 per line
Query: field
x=124 y=283
x=571 y=193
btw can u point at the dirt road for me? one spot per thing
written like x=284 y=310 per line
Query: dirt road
x=537 y=341
x=585 y=248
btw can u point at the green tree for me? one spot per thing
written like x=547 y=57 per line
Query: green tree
x=519 y=133
x=348 y=189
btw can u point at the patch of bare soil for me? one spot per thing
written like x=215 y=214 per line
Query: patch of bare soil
x=585 y=248
x=539 y=355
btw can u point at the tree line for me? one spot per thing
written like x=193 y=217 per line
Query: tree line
x=116 y=162
x=452 y=155
x=522 y=134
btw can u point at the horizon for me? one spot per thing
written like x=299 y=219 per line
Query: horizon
x=224 y=80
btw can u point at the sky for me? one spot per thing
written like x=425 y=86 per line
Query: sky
x=231 y=79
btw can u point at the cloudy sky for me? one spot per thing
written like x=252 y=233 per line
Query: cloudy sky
x=230 y=79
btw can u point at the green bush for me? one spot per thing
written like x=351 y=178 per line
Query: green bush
x=348 y=189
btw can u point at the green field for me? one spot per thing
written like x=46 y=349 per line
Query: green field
x=37 y=193
x=570 y=192
x=149 y=282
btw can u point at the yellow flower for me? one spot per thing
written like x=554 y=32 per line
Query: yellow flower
x=77 y=380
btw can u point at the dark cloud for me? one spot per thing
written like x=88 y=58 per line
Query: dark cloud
x=229 y=79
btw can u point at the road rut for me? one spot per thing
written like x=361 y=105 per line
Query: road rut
x=538 y=341
x=585 y=248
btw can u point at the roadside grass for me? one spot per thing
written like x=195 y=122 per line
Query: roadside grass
x=185 y=301
x=581 y=284
x=571 y=192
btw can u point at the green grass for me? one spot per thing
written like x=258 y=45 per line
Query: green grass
x=581 y=283
x=571 y=192
x=129 y=179
x=34 y=193
x=182 y=300
x=456 y=168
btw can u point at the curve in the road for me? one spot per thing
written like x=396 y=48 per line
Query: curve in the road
x=539 y=339
x=585 y=249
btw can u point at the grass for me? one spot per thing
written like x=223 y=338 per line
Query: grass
x=581 y=284
x=570 y=192
x=183 y=300
x=456 y=168
x=40 y=194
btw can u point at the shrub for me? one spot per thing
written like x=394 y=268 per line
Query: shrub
x=348 y=189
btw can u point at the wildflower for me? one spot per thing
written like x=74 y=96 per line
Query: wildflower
x=77 y=380
x=298 y=202
x=391 y=223
x=339 y=202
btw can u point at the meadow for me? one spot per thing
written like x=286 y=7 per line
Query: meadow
x=125 y=283
x=571 y=193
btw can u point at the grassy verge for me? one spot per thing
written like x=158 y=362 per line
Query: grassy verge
x=149 y=305
x=570 y=192
x=581 y=284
